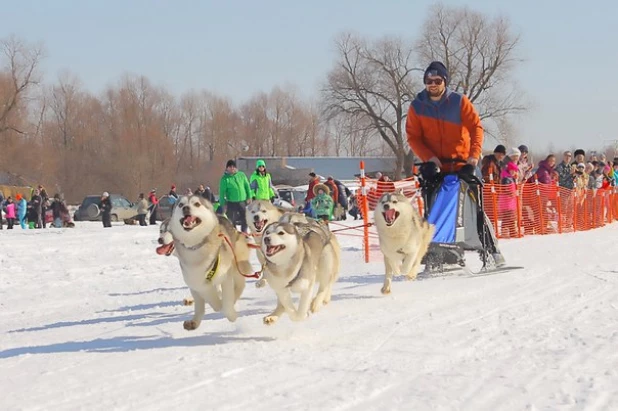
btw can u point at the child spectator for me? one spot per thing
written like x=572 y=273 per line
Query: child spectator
x=322 y=203
x=507 y=200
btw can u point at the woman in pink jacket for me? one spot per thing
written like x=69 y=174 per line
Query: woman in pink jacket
x=10 y=213
x=507 y=200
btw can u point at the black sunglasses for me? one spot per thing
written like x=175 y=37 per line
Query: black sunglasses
x=436 y=81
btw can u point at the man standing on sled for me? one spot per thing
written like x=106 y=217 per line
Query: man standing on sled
x=444 y=128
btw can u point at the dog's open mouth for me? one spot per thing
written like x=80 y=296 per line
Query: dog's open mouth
x=259 y=225
x=166 y=249
x=273 y=249
x=189 y=222
x=390 y=216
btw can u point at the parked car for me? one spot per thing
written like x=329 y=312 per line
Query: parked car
x=89 y=210
x=293 y=195
x=164 y=211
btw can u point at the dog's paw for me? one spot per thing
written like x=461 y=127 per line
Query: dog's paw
x=299 y=316
x=260 y=283
x=411 y=277
x=386 y=289
x=232 y=316
x=316 y=305
x=190 y=325
x=270 y=319
x=187 y=301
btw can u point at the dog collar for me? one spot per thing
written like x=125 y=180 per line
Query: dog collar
x=193 y=247
x=210 y=274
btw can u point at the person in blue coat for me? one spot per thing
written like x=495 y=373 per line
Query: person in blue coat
x=22 y=208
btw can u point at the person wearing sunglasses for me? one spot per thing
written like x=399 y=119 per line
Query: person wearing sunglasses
x=444 y=130
x=443 y=126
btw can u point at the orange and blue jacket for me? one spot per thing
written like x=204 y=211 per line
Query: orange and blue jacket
x=449 y=129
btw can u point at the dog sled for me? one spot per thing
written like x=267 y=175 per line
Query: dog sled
x=453 y=203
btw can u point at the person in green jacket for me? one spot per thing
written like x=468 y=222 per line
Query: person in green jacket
x=322 y=203
x=261 y=184
x=234 y=192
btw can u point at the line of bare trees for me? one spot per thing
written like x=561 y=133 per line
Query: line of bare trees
x=137 y=135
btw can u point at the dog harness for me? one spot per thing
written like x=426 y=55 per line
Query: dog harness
x=210 y=274
x=320 y=229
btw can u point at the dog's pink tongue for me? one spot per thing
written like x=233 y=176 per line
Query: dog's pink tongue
x=189 y=219
x=390 y=214
x=164 y=249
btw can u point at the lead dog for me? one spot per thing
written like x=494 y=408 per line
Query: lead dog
x=213 y=256
x=298 y=256
x=404 y=236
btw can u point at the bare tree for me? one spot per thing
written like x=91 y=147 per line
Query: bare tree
x=352 y=136
x=373 y=81
x=480 y=54
x=20 y=76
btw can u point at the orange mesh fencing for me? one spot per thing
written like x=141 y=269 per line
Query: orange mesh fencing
x=535 y=208
x=517 y=210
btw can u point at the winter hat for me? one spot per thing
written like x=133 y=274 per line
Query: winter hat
x=260 y=163
x=523 y=148
x=173 y=186
x=230 y=163
x=18 y=197
x=500 y=149
x=105 y=194
x=514 y=151
x=319 y=187
x=578 y=152
x=312 y=174
x=581 y=165
x=436 y=68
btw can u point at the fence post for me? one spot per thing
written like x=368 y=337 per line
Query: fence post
x=365 y=208
x=559 y=207
x=575 y=197
x=494 y=204
x=541 y=208
x=520 y=213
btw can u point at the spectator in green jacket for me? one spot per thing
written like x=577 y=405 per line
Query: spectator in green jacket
x=322 y=203
x=234 y=192
x=261 y=184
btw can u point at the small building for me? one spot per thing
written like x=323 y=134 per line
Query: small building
x=294 y=170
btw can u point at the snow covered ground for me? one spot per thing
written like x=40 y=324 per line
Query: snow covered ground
x=92 y=319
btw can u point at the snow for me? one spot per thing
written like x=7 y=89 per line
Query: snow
x=91 y=318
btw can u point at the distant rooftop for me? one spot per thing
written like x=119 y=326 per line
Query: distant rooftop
x=343 y=168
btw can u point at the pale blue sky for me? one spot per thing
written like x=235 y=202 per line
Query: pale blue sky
x=239 y=47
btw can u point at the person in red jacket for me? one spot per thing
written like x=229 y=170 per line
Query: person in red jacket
x=154 y=204
x=312 y=182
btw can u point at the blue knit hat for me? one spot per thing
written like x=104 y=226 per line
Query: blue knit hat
x=437 y=68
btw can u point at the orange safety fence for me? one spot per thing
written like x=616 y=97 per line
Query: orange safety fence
x=514 y=210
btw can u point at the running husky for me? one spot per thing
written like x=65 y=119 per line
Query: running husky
x=297 y=256
x=213 y=256
x=404 y=236
x=258 y=214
